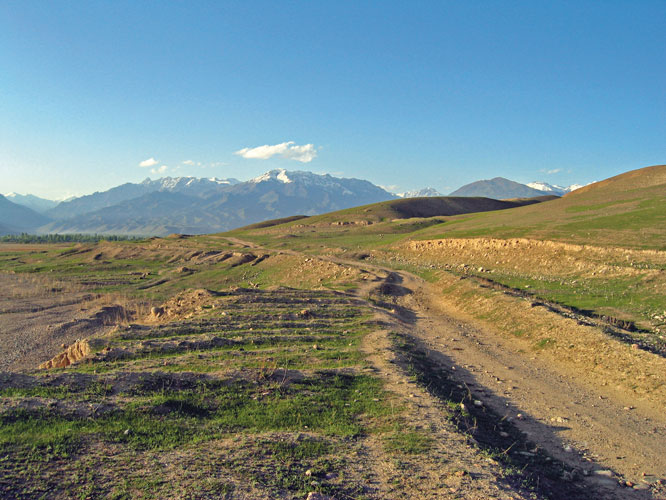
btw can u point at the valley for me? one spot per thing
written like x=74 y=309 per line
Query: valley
x=424 y=348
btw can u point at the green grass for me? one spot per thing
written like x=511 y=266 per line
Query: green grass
x=273 y=382
x=408 y=442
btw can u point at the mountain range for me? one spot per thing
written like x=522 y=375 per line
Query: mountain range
x=39 y=205
x=205 y=205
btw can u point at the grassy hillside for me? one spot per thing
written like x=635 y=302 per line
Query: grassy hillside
x=369 y=226
x=628 y=210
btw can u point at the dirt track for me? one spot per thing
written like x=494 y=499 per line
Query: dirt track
x=567 y=414
x=584 y=428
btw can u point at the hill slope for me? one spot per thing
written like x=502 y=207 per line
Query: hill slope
x=625 y=210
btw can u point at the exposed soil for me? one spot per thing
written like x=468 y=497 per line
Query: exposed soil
x=589 y=428
x=37 y=320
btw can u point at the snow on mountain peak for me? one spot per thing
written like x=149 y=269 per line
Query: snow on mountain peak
x=279 y=174
x=544 y=186
x=283 y=176
x=554 y=188
x=420 y=193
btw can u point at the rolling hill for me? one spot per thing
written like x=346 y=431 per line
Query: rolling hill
x=625 y=210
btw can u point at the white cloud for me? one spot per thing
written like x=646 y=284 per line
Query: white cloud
x=188 y=162
x=160 y=170
x=550 y=172
x=150 y=162
x=288 y=150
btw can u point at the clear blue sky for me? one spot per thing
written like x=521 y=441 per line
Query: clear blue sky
x=405 y=94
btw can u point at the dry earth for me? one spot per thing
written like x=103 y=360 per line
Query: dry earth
x=38 y=317
x=608 y=435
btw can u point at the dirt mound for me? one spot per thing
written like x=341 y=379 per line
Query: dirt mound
x=75 y=352
x=528 y=253
x=182 y=305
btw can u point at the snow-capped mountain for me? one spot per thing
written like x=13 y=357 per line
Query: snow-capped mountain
x=191 y=205
x=175 y=184
x=554 y=188
x=99 y=200
x=420 y=193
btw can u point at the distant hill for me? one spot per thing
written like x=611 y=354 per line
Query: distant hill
x=39 y=205
x=402 y=208
x=16 y=218
x=196 y=206
x=626 y=210
x=499 y=188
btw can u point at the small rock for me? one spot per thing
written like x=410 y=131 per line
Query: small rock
x=315 y=347
x=526 y=454
x=126 y=432
x=477 y=403
x=603 y=473
x=629 y=484
x=308 y=473
x=634 y=346
x=568 y=449
x=642 y=486
x=520 y=416
x=504 y=434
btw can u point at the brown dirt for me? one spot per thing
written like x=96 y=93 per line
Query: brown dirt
x=75 y=352
x=541 y=256
x=37 y=321
x=562 y=404
x=453 y=467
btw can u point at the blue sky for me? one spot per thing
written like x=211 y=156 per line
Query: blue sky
x=404 y=94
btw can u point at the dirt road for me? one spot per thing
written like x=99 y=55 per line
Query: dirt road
x=566 y=413
x=607 y=441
